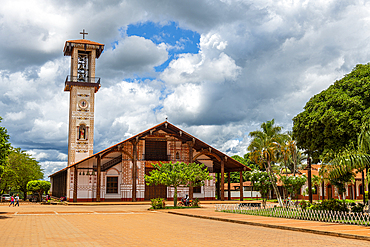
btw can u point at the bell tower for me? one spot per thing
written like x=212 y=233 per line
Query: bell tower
x=82 y=86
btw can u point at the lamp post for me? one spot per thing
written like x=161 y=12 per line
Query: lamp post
x=309 y=179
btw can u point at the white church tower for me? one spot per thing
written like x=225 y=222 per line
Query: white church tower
x=82 y=86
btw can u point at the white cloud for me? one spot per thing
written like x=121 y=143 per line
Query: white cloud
x=132 y=55
x=257 y=60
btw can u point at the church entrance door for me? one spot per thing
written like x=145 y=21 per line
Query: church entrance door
x=154 y=191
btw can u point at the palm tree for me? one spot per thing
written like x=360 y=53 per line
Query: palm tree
x=351 y=159
x=264 y=147
x=316 y=181
x=285 y=151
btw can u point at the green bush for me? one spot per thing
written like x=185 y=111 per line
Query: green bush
x=303 y=204
x=195 y=202
x=158 y=203
x=357 y=208
x=332 y=205
x=366 y=195
x=350 y=201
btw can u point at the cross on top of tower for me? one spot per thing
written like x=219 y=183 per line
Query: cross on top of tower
x=83 y=33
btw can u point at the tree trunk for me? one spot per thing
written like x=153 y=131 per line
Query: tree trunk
x=274 y=186
x=294 y=162
x=40 y=196
x=175 y=197
x=24 y=195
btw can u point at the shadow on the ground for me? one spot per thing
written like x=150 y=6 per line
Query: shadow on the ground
x=3 y=216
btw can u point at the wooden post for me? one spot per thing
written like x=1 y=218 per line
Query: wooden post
x=190 y=145
x=363 y=187
x=309 y=180
x=228 y=186
x=222 y=180
x=367 y=185
x=98 y=178
x=241 y=186
x=134 y=166
x=323 y=189
x=218 y=186
x=75 y=184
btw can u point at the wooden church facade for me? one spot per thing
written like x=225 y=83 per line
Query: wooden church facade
x=114 y=173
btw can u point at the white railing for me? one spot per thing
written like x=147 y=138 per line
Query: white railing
x=297 y=213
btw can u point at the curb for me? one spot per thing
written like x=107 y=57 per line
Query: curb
x=105 y=204
x=334 y=234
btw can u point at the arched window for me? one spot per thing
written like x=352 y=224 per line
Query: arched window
x=361 y=189
x=315 y=190
x=177 y=155
x=82 y=132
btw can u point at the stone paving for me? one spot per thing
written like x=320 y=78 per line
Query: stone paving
x=134 y=225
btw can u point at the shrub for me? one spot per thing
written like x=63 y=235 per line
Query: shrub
x=350 y=201
x=333 y=205
x=195 y=202
x=158 y=203
x=366 y=195
x=303 y=204
x=357 y=208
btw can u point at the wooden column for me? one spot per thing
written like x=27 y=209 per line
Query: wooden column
x=98 y=178
x=367 y=172
x=228 y=186
x=190 y=145
x=241 y=186
x=218 y=186
x=75 y=184
x=134 y=166
x=323 y=189
x=222 y=180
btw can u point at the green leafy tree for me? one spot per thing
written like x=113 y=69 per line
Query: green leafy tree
x=316 y=181
x=340 y=182
x=261 y=181
x=235 y=176
x=264 y=148
x=20 y=169
x=285 y=152
x=293 y=184
x=332 y=119
x=39 y=186
x=4 y=148
x=351 y=159
x=245 y=160
x=178 y=174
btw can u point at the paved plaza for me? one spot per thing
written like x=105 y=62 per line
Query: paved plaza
x=134 y=225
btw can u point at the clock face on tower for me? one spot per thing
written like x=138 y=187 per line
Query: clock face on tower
x=83 y=104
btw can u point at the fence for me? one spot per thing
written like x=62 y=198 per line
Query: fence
x=297 y=213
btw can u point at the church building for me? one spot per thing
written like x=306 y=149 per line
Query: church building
x=117 y=173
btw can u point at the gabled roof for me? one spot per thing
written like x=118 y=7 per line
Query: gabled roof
x=200 y=146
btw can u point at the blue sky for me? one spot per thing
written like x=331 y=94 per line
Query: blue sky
x=179 y=40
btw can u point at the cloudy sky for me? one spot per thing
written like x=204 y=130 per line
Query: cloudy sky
x=217 y=69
